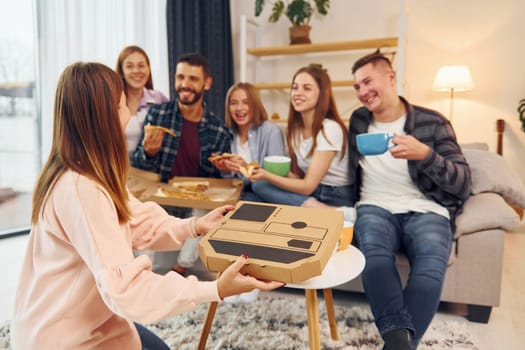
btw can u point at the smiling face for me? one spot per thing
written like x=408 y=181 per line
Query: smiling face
x=136 y=70
x=305 y=93
x=190 y=83
x=375 y=86
x=239 y=106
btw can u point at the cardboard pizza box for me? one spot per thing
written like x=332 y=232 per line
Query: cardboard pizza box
x=187 y=192
x=140 y=180
x=283 y=243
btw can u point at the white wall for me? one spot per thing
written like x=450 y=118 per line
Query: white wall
x=485 y=35
x=336 y=26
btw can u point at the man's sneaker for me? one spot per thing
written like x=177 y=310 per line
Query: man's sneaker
x=398 y=339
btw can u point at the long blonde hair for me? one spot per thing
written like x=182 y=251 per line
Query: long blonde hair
x=87 y=135
x=259 y=114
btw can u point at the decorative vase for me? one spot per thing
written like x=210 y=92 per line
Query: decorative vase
x=300 y=34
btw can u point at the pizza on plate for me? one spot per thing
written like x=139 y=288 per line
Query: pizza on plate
x=189 y=190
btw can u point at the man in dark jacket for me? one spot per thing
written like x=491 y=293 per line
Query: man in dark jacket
x=406 y=200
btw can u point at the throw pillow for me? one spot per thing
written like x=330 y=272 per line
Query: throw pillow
x=485 y=211
x=491 y=173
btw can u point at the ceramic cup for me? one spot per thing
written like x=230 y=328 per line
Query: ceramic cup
x=278 y=165
x=374 y=143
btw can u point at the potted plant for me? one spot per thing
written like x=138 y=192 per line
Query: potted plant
x=298 y=12
x=521 y=110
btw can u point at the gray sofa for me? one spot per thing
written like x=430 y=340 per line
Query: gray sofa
x=475 y=265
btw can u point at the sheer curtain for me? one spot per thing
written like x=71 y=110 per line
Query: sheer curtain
x=95 y=30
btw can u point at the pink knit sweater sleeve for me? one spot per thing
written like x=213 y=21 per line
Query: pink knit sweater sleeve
x=152 y=228
x=126 y=284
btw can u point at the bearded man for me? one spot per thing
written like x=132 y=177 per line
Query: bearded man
x=196 y=134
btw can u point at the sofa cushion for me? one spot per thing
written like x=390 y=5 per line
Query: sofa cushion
x=485 y=211
x=491 y=173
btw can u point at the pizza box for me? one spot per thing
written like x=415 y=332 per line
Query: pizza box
x=187 y=192
x=283 y=243
x=140 y=180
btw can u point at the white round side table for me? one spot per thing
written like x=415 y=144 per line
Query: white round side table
x=342 y=267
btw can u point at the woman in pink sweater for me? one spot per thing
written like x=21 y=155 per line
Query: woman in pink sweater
x=81 y=286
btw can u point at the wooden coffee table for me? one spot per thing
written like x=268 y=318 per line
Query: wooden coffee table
x=342 y=267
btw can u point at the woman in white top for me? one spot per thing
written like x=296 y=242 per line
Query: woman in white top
x=134 y=69
x=317 y=143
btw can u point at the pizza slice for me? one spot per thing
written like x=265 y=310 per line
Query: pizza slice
x=166 y=130
x=247 y=170
x=222 y=156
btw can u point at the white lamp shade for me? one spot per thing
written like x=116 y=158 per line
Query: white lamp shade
x=453 y=77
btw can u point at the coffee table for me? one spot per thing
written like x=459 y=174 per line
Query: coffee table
x=342 y=267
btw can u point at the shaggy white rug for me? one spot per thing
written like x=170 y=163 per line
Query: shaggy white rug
x=280 y=323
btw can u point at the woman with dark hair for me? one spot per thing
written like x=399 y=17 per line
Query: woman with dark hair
x=134 y=69
x=317 y=142
x=81 y=286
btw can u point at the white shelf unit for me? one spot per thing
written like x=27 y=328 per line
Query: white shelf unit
x=398 y=43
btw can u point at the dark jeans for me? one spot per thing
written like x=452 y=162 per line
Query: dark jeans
x=149 y=340
x=178 y=212
x=425 y=238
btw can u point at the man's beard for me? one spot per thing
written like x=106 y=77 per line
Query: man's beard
x=196 y=96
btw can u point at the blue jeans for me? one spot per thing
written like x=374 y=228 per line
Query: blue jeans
x=248 y=195
x=149 y=340
x=331 y=195
x=336 y=196
x=425 y=238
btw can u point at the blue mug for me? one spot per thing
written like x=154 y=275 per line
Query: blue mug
x=374 y=143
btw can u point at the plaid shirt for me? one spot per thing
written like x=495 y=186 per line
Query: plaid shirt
x=214 y=137
x=444 y=175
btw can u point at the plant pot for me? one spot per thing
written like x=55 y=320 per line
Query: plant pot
x=300 y=34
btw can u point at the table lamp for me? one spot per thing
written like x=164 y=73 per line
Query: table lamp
x=453 y=78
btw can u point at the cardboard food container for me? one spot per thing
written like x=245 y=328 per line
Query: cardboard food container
x=283 y=243
x=141 y=180
x=214 y=193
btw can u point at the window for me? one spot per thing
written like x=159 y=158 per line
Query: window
x=19 y=146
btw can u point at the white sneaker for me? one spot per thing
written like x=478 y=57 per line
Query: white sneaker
x=232 y=299
x=249 y=297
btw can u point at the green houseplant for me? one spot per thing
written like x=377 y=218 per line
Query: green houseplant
x=299 y=12
x=521 y=110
